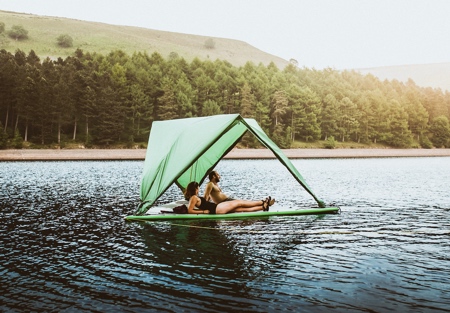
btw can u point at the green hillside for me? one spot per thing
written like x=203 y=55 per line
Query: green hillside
x=104 y=38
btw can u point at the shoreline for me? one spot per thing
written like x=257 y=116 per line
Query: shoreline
x=139 y=154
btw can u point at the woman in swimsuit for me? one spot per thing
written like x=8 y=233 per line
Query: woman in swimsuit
x=206 y=207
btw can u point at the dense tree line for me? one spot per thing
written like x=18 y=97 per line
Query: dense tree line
x=105 y=99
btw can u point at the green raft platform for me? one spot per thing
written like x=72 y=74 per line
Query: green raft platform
x=173 y=216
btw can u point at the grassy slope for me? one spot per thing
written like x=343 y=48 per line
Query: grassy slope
x=104 y=38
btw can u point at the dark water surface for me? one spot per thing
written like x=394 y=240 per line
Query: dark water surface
x=66 y=248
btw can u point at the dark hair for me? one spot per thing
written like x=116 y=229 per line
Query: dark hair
x=211 y=174
x=190 y=190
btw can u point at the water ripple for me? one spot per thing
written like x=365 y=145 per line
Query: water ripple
x=66 y=247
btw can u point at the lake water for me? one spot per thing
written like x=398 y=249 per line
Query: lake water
x=65 y=246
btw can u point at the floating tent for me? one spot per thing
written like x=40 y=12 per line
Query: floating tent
x=184 y=150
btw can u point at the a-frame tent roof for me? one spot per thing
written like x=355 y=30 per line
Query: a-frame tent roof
x=184 y=150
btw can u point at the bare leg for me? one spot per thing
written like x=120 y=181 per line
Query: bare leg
x=252 y=209
x=239 y=206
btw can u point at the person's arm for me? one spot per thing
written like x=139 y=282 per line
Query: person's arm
x=192 y=203
x=208 y=189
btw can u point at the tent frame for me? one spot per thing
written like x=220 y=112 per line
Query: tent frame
x=230 y=121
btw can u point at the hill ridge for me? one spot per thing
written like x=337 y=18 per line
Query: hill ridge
x=103 y=38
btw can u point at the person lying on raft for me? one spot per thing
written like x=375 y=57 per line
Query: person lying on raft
x=206 y=207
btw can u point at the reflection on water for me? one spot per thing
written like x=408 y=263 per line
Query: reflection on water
x=66 y=247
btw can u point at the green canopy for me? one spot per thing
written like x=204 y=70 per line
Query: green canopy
x=184 y=150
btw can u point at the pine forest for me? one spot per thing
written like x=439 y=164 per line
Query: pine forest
x=101 y=100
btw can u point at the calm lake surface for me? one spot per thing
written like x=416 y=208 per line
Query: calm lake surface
x=65 y=246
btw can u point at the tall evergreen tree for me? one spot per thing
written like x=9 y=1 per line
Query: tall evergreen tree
x=110 y=121
x=417 y=114
x=47 y=99
x=8 y=81
x=210 y=107
x=3 y=138
x=328 y=117
x=347 y=121
x=185 y=97
x=365 y=115
x=247 y=101
x=440 y=130
x=204 y=86
x=140 y=105
x=399 y=135
x=28 y=93
x=305 y=108
x=279 y=106
x=168 y=107
x=112 y=110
